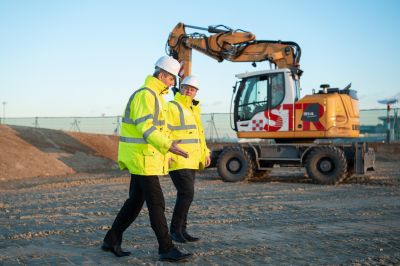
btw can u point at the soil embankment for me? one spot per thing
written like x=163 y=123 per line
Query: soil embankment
x=28 y=152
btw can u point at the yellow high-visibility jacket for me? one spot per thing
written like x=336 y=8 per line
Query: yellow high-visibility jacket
x=144 y=141
x=184 y=121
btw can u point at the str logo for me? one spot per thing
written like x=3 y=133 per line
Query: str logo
x=311 y=115
x=257 y=125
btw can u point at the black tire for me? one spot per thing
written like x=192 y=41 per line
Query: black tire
x=235 y=164
x=326 y=165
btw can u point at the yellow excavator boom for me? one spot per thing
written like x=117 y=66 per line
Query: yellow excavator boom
x=224 y=43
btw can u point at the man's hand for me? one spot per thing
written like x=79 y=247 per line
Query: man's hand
x=208 y=161
x=176 y=150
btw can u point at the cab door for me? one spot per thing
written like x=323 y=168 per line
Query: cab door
x=251 y=98
x=258 y=103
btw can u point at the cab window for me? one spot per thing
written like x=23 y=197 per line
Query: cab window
x=253 y=98
x=277 y=89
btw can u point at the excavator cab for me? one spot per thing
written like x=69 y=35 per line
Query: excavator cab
x=261 y=102
x=267 y=105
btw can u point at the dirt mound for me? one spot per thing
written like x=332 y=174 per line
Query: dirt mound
x=28 y=152
x=104 y=145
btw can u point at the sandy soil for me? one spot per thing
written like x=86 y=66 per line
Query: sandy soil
x=27 y=152
x=286 y=221
x=103 y=145
x=19 y=159
x=282 y=219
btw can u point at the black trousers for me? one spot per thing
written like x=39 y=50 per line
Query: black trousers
x=183 y=180
x=144 y=188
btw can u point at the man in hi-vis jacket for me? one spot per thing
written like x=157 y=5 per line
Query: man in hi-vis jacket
x=143 y=147
x=185 y=124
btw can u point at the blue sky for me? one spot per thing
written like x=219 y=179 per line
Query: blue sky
x=84 y=58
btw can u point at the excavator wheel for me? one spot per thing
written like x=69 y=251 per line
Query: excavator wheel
x=235 y=164
x=326 y=165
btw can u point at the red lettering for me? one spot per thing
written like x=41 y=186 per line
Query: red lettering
x=276 y=118
x=278 y=121
x=289 y=107
x=317 y=124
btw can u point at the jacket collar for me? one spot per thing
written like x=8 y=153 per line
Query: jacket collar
x=156 y=85
x=185 y=100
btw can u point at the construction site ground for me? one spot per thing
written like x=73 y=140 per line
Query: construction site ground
x=60 y=191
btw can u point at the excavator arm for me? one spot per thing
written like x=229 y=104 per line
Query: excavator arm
x=224 y=43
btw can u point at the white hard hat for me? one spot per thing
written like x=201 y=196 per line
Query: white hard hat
x=192 y=81
x=169 y=64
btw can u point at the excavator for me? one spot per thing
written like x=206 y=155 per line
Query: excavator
x=317 y=131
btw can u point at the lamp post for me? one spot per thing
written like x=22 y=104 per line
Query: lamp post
x=388 y=124
x=388 y=102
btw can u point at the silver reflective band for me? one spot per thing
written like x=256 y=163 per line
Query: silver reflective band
x=132 y=140
x=142 y=119
x=188 y=141
x=181 y=117
x=156 y=122
x=128 y=106
x=148 y=132
x=181 y=120
x=171 y=127
x=127 y=120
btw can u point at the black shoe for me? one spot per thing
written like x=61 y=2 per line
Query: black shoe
x=189 y=237
x=174 y=255
x=115 y=249
x=178 y=237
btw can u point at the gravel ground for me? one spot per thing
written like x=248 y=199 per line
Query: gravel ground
x=281 y=220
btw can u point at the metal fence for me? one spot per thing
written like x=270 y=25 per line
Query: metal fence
x=100 y=125
x=217 y=126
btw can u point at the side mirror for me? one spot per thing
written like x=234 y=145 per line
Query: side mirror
x=234 y=86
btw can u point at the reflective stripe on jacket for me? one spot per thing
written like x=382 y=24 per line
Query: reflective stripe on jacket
x=144 y=141
x=184 y=121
